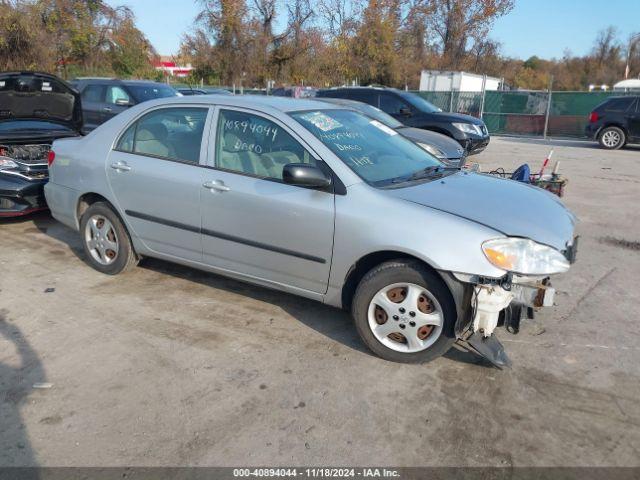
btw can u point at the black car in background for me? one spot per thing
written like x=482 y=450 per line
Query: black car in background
x=414 y=111
x=35 y=109
x=188 y=91
x=104 y=98
x=615 y=122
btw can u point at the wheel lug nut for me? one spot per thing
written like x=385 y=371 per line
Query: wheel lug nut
x=402 y=325
x=413 y=314
x=396 y=317
x=413 y=324
x=402 y=310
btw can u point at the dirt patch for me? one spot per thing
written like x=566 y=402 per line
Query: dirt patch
x=621 y=243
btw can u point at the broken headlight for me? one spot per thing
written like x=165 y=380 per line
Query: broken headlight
x=524 y=256
x=7 y=164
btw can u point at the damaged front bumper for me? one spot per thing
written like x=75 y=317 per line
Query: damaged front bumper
x=500 y=303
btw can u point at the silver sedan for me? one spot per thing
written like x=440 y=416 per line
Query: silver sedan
x=321 y=201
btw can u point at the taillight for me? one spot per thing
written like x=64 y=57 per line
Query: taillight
x=593 y=117
x=51 y=157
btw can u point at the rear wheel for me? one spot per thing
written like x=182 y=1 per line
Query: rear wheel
x=612 y=138
x=105 y=240
x=404 y=312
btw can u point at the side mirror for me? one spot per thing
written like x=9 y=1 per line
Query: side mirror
x=123 y=102
x=405 y=111
x=305 y=175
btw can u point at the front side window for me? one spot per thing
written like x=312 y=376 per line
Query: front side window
x=253 y=145
x=392 y=104
x=144 y=92
x=171 y=133
x=117 y=95
x=371 y=149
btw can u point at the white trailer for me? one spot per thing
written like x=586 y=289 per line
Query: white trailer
x=443 y=81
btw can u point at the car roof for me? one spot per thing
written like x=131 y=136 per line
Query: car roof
x=118 y=81
x=283 y=104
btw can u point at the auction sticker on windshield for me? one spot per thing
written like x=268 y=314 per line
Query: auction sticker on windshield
x=322 y=121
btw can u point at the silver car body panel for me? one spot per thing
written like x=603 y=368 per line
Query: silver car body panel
x=282 y=236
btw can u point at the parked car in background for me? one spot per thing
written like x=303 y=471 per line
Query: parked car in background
x=294 y=92
x=35 y=109
x=414 y=111
x=203 y=91
x=104 y=98
x=444 y=148
x=615 y=122
x=321 y=201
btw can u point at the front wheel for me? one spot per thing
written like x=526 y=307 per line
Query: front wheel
x=105 y=240
x=612 y=138
x=404 y=312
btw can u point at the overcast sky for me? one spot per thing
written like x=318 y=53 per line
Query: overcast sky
x=535 y=27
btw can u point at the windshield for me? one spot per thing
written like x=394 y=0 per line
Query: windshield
x=142 y=93
x=371 y=149
x=419 y=102
x=43 y=127
x=377 y=114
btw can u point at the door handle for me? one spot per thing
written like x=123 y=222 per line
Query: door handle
x=106 y=109
x=217 y=185
x=120 y=167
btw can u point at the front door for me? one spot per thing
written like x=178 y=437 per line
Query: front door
x=156 y=178
x=117 y=100
x=252 y=222
x=92 y=105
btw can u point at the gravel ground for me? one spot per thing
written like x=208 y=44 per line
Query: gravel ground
x=171 y=366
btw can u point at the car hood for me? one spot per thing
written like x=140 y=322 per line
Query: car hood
x=512 y=208
x=39 y=96
x=449 y=146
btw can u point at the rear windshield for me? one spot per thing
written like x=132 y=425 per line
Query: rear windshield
x=142 y=93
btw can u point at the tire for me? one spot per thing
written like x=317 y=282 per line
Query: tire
x=410 y=284
x=105 y=240
x=612 y=138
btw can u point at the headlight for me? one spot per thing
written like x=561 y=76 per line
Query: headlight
x=520 y=255
x=436 y=152
x=7 y=164
x=468 y=128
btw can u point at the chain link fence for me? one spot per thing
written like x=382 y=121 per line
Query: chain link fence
x=529 y=113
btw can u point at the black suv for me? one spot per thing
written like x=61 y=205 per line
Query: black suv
x=414 y=111
x=104 y=98
x=615 y=122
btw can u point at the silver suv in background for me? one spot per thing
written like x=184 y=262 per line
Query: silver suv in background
x=321 y=201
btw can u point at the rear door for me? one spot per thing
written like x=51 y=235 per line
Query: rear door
x=92 y=104
x=156 y=178
x=252 y=222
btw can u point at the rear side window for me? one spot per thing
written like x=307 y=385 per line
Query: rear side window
x=364 y=96
x=391 y=104
x=169 y=133
x=619 y=104
x=93 y=93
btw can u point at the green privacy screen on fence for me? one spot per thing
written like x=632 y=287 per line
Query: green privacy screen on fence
x=524 y=112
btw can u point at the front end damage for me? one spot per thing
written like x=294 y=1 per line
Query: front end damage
x=23 y=174
x=493 y=303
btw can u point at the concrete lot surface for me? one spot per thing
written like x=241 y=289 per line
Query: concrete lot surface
x=171 y=366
